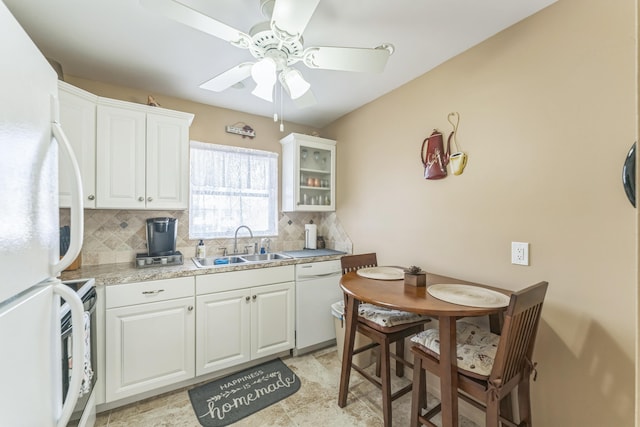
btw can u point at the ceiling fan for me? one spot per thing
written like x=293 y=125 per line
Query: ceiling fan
x=276 y=45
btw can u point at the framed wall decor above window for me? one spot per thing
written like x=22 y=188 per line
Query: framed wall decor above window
x=232 y=186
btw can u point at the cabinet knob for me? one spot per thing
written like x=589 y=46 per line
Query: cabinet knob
x=154 y=292
x=254 y=297
x=91 y=197
x=247 y=298
x=190 y=308
x=141 y=199
x=149 y=199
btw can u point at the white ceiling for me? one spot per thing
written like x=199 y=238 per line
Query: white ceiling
x=120 y=42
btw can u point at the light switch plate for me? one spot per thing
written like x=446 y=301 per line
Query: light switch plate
x=520 y=253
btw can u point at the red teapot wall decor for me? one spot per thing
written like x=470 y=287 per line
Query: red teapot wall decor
x=436 y=158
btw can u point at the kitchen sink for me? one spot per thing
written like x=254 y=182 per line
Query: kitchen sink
x=265 y=257
x=237 y=259
x=215 y=261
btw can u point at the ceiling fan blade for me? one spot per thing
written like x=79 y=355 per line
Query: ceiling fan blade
x=228 y=78
x=347 y=58
x=290 y=17
x=191 y=17
x=306 y=100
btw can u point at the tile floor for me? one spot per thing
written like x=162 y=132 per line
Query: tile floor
x=315 y=404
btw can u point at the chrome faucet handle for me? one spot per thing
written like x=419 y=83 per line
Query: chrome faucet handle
x=223 y=249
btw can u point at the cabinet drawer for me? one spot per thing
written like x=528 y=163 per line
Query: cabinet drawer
x=151 y=291
x=233 y=280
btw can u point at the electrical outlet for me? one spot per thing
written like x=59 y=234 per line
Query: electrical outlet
x=520 y=253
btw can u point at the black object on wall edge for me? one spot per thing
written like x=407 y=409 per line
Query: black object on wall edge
x=629 y=175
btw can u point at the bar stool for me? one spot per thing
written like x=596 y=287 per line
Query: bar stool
x=383 y=327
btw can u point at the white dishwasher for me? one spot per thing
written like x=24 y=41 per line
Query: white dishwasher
x=317 y=287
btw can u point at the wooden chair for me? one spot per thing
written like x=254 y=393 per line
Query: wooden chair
x=382 y=337
x=512 y=365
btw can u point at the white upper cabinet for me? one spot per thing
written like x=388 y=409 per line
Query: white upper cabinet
x=142 y=156
x=78 y=119
x=308 y=173
x=167 y=162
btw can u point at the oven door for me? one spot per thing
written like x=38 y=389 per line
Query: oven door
x=88 y=296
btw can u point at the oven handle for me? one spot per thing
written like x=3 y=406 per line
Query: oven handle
x=77 y=313
x=66 y=332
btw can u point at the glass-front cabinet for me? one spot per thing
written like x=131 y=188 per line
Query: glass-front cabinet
x=308 y=173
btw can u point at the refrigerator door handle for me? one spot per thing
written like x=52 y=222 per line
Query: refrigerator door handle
x=77 y=214
x=77 y=319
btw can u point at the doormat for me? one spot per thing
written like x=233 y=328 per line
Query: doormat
x=229 y=399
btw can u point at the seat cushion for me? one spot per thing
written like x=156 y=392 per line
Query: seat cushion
x=476 y=347
x=386 y=317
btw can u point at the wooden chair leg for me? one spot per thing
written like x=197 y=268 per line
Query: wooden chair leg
x=493 y=413
x=378 y=365
x=419 y=393
x=351 y=313
x=400 y=354
x=524 y=403
x=386 y=382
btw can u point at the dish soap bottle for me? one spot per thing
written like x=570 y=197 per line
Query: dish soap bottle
x=201 y=250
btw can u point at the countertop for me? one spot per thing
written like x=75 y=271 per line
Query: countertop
x=122 y=273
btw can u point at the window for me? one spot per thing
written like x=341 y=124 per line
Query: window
x=232 y=186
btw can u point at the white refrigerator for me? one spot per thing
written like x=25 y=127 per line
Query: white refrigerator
x=30 y=141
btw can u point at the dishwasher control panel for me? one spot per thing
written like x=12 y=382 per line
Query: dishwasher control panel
x=314 y=270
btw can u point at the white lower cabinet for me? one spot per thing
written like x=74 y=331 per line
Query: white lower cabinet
x=223 y=322
x=150 y=330
x=161 y=332
x=236 y=324
x=272 y=319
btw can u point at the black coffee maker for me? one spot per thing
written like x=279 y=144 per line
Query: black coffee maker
x=161 y=244
x=161 y=236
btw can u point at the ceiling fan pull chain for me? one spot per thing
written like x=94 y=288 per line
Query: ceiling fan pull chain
x=275 y=107
x=281 y=110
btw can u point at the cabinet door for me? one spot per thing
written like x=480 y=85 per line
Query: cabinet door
x=149 y=346
x=223 y=331
x=167 y=162
x=272 y=319
x=308 y=173
x=120 y=169
x=78 y=119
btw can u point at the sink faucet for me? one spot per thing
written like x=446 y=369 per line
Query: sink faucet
x=235 y=237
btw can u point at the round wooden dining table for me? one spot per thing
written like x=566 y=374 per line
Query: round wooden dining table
x=394 y=294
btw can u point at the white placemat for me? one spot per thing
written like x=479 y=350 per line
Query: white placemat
x=473 y=296
x=381 y=273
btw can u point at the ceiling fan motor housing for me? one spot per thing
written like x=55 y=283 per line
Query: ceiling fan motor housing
x=266 y=44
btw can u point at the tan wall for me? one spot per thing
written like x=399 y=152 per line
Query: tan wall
x=548 y=113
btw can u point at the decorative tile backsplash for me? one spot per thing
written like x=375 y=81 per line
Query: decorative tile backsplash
x=114 y=236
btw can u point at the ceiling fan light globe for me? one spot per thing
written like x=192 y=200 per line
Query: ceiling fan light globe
x=264 y=91
x=263 y=72
x=294 y=83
